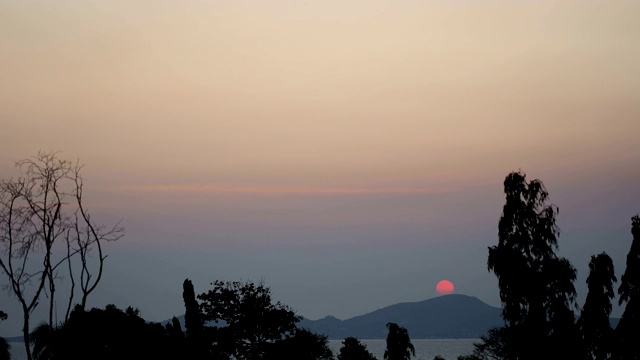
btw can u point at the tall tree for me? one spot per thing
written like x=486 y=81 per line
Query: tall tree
x=536 y=286
x=353 y=349
x=399 y=346
x=593 y=325
x=43 y=227
x=249 y=322
x=193 y=322
x=629 y=291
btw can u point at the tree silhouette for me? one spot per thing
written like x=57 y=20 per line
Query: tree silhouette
x=399 y=345
x=193 y=323
x=303 y=345
x=629 y=291
x=44 y=340
x=39 y=209
x=249 y=321
x=102 y=334
x=536 y=287
x=5 y=354
x=593 y=325
x=353 y=349
x=176 y=341
x=630 y=281
x=495 y=344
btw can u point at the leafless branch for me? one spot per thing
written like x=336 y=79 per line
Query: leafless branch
x=37 y=210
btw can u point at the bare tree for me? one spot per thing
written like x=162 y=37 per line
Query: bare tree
x=43 y=226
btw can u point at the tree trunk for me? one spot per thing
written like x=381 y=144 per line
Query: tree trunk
x=25 y=335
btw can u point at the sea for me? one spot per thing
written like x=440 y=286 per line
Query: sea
x=426 y=349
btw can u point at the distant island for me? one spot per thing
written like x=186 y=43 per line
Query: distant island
x=448 y=316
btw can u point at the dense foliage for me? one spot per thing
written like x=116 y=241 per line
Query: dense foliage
x=303 y=345
x=536 y=286
x=108 y=333
x=246 y=320
x=353 y=349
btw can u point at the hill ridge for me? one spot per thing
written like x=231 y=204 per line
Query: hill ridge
x=446 y=316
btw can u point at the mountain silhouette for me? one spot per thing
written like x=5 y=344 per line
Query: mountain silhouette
x=448 y=316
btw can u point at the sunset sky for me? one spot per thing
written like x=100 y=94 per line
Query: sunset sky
x=349 y=153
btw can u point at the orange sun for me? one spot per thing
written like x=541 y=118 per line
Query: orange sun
x=444 y=287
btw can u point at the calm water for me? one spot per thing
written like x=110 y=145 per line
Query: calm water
x=426 y=349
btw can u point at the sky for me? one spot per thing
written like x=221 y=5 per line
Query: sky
x=350 y=154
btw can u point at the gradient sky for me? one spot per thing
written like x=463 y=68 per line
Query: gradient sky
x=350 y=153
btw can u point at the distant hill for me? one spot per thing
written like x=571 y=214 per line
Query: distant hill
x=448 y=316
